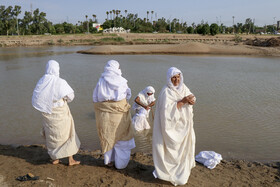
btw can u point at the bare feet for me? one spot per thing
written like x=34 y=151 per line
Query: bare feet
x=111 y=164
x=55 y=162
x=73 y=162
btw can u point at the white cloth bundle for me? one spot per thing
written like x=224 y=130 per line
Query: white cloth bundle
x=209 y=158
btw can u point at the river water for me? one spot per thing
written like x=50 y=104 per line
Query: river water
x=238 y=102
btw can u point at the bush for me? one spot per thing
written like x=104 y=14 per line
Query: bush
x=237 y=38
x=214 y=29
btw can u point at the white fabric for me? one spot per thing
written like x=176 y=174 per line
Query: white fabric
x=173 y=134
x=120 y=154
x=111 y=85
x=68 y=98
x=170 y=73
x=59 y=131
x=209 y=158
x=50 y=89
x=145 y=98
x=140 y=118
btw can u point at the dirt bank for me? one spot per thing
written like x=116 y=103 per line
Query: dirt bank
x=186 y=48
x=18 y=161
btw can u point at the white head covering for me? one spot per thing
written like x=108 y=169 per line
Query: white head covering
x=111 y=84
x=50 y=88
x=172 y=72
x=145 y=98
x=113 y=75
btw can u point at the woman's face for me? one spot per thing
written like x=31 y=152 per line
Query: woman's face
x=176 y=79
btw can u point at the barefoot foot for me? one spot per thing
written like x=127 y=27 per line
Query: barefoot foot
x=55 y=162
x=74 y=162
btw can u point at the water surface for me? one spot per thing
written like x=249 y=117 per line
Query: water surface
x=237 y=110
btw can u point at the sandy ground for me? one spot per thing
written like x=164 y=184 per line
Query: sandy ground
x=134 y=43
x=18 y=161
x=194 y=48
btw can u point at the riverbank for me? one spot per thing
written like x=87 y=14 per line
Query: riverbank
x=18 y=161
x=190 y=48
x=134 y=43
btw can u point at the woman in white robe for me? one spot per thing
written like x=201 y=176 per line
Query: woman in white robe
x=144 y=101
x=173 y=133
x=113 y=118
x=50 y=97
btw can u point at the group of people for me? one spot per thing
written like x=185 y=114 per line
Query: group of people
x=173 y=134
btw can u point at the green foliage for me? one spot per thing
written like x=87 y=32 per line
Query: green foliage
x=237 y=38
x=190 y=30
x=117 y=39
x=11 y=23
x=60 y=41
x=214 y=29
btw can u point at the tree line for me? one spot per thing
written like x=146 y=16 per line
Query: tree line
x=36 y=23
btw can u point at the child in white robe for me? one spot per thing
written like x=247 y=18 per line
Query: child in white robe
x=142 y=106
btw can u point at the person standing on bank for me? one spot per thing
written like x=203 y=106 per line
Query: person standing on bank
x=173 y=133
x=113 y=118
x=50 y=97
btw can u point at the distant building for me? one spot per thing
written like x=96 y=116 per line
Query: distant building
x=97 y=26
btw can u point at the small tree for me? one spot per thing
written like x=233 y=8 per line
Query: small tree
x=190 y=30
x=214 y=29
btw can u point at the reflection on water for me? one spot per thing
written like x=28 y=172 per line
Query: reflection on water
x=237 y=110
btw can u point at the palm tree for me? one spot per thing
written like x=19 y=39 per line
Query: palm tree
x=16 y=12
x=111 y=14
x=87 y=25
x=147 y=14
x=114 y=12
x=107 y=14
x=152 y=12
x=94 y=17
x=125 y=11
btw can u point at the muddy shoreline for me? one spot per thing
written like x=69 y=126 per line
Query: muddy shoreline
x=19 y=160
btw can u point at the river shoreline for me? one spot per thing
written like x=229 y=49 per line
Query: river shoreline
x=134 y=43
x=20 y=160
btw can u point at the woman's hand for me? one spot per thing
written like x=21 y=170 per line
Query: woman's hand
x=180 y=104
x=190 y=99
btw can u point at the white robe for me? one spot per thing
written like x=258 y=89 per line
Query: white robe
x=140 y=118
x=173 y=136
x=50 y=97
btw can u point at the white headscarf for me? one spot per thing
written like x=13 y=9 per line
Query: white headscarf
x=172 y=72
x=50 y=88
x=111 y=84
x=145 y=98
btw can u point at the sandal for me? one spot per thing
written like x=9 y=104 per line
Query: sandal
x=27 y=177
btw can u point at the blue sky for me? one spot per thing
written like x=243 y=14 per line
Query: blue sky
x=211 y=11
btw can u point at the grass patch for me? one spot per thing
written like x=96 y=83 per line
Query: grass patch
x=140 y=40
x=60 y=41
x=117 y=39
x=50 y=42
